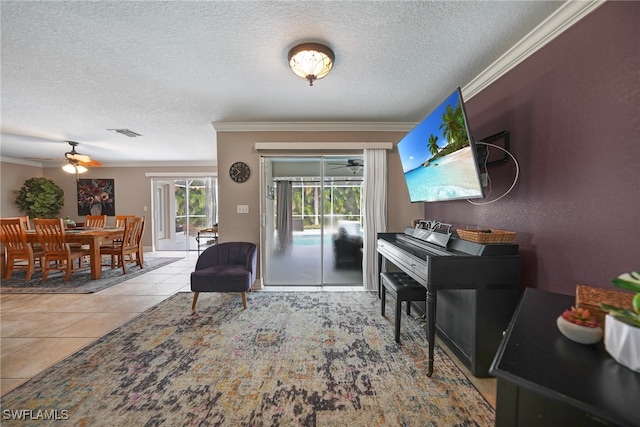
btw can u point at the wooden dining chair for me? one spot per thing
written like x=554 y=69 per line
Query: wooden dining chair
x=121 y=220
x=17 y=248
x=138 y=256
x=140 y=253
x=25 y=222
x=129 y=249
x=92 y=221
x=58 y=255
x=37 y=249
x=95 y=221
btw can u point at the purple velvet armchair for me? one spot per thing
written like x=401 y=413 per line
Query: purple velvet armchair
x=225 y=267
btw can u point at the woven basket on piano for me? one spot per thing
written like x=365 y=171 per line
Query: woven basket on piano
x=487 y=236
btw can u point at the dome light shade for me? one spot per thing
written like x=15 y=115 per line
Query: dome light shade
x=71 y=168
x=354 y=168
x=311 y=61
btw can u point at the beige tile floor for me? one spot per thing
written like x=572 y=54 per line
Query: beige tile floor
x=39 y=330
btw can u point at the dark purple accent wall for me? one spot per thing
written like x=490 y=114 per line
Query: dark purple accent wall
x=573 y=110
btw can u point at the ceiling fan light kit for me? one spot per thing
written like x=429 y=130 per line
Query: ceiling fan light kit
x=311 y=61
x=75 y=169
x=353 y=165
x=76 y=162
x=354 y=169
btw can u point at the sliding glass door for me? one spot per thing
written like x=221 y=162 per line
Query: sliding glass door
x=311 y=232
x=343 y=226
x=181 y=208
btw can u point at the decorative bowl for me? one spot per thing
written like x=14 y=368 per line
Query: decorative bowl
x=578 y=333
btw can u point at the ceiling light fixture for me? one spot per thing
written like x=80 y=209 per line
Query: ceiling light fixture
x=74 y=168
x=311 y=61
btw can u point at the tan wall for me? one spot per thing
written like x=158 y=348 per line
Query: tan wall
x=239 y=146
x=12 y=177
x=132 y=188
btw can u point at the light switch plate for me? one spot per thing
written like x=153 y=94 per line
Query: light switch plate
x=243 y=209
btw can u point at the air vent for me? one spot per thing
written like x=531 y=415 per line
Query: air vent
x=126 y=132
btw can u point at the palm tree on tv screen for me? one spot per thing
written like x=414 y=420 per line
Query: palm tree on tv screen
x=453 y=128
x=433 y=144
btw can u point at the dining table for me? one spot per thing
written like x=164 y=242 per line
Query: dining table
x=94 y=237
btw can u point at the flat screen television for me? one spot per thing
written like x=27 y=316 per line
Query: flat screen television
x=439 y=157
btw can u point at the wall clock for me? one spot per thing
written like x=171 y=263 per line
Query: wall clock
x=239 y=171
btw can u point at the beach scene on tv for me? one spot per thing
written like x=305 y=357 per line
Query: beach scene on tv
x=437 y=158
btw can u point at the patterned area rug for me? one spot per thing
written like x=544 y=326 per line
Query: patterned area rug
x=290 y=359
x=80 y=282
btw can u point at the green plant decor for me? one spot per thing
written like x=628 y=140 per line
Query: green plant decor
x=40 y=198
x=630 y=281
x=580 y=316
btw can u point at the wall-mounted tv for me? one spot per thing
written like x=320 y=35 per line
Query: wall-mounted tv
x=439 y=157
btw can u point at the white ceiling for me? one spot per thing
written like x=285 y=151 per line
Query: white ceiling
x=168 y=69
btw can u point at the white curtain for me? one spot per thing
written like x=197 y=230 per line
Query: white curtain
x=375 y=212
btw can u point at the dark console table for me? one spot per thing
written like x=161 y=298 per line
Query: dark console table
x=545 y=379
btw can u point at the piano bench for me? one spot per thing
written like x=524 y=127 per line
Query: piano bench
x=404 y=288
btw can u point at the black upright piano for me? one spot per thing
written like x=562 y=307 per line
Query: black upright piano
x=474 y=286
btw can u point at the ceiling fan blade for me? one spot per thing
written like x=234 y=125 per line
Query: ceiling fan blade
x=92 y=163
x=78 y=157
x=81 y=159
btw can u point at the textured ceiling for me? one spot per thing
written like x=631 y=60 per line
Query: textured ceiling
x=167 y=70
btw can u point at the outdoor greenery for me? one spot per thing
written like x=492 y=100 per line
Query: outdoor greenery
x=197 y=204
x=341 y=202
x=40 y=198
x=629 y=281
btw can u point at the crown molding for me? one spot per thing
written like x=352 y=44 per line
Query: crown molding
x=20 y=161
x=161 y=163
x=562 y=19
x=331 y=146
x=133 y=164
x=313 y=126
x=179 y=174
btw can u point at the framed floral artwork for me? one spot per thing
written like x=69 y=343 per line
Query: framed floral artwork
x=96 y=197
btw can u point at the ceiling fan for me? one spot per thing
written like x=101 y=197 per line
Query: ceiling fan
x=76 y=162
x=71 y=157
x=354 y=165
